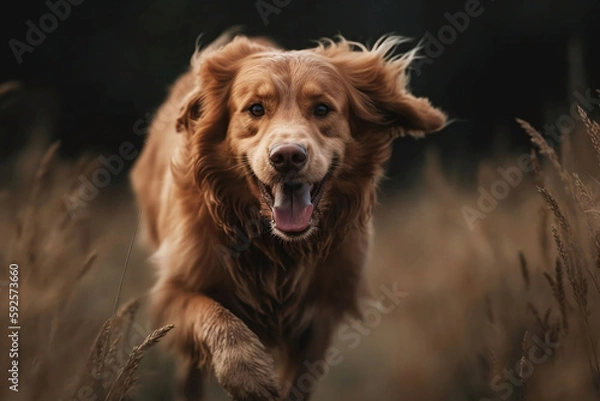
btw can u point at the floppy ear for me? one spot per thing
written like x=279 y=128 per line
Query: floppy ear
x=189 y=112
x=213 y=70
x=376 y=85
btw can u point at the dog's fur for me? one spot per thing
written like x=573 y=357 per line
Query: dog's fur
x=237 y=287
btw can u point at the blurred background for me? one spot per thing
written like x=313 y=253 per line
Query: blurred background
x=492 y=269
x=101 y=66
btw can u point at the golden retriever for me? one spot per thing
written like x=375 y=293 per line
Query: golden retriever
x=256 y=193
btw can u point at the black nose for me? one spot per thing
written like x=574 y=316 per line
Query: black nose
x=286 y=157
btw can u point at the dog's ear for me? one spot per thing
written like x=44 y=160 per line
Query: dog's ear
x=377 y=86
x=213 y=70
x=189 y=112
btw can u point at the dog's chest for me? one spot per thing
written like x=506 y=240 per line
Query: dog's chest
x=278 y=302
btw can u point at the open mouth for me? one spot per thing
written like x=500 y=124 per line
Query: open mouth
x=293 y=204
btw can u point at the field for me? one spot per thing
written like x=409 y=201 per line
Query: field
x=489 y=297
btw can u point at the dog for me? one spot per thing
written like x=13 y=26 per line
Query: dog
x=256 y=187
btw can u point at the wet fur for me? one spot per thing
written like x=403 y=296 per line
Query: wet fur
x=236 y=293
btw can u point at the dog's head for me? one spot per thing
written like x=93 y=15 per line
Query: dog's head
x=302 y=126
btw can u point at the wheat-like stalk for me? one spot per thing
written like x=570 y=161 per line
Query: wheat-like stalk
x=125 y=380
x=569 y=245
x=542 y=322
x=91 y=376
x=537 y=168
x=553 y=204
x=538 y=140
x=593 y=130
x=560 y=295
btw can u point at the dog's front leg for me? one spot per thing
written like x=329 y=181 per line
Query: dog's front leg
x=205 y=328
x=305 y=361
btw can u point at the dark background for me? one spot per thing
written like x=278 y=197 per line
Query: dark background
x=108 y=64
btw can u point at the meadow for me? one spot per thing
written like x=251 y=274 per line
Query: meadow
x=492 y=289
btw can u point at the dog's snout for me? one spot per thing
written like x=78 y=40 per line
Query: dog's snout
x=286 y=157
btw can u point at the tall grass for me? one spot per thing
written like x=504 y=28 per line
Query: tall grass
x=506 y=311
x=55 y=253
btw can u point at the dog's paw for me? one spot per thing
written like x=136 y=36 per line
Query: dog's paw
x=243 y=366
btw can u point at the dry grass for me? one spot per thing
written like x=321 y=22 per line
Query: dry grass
x=480 y=301
x=56 y=253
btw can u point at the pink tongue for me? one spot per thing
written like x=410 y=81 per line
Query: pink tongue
x=292 y=207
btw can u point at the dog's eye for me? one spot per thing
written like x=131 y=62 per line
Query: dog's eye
x=257 y=110
x=321 y=110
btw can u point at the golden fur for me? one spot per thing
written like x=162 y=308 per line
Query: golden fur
x=236 y=287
